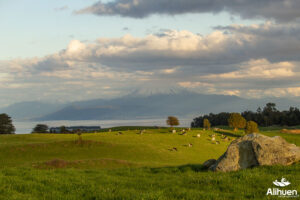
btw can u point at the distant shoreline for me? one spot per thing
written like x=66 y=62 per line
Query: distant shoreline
x=25 y=127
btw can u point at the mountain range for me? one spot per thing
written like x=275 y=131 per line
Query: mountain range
x=137 y=106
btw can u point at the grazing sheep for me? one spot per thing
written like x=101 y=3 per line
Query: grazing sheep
x=120 y=133
x=198 y=135
x=190 y=145
x=174 y=131
x=217 y=142
x=213 y=139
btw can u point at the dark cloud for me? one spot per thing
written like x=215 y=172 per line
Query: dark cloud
x=50 y=64
x=264 y=30
x=281 y=10
x=276 y=42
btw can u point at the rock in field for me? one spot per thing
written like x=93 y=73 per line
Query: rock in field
x=256 y=150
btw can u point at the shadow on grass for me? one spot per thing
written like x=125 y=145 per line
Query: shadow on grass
x=224 y=132
x=180 y=168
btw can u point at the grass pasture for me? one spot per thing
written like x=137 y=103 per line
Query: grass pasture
x=108 y=165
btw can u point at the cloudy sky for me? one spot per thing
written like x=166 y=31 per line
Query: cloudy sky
x=68 y=50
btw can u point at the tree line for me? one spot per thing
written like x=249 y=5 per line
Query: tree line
x=267 y=116
x=236 y=121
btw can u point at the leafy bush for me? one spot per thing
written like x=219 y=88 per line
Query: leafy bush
x=251 y=127
x=236 y=121
x=40 y=128
x=206 y=124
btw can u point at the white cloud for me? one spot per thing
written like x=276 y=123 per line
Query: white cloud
x=4 y=77
x=62 y=8
x=255 y=60
x=197 y=84
x=258 y=69
x=75 y=46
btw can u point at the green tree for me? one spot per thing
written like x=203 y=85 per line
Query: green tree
x=206 y=124
x=40 y=128
x=6 y=125
x=172 y=121
x=63 y=129
x=251 y=127
x=236 y=121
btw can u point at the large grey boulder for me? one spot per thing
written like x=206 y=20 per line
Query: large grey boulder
x=255 y=150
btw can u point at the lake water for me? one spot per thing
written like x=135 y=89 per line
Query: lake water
x=23 y=127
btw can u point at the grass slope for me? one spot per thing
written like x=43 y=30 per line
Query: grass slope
x=129 y=166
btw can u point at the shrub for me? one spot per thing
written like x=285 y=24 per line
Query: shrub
x=172 y=121
x=206 y=124
x=236 y=121
x=251 y=127
x=40 y=128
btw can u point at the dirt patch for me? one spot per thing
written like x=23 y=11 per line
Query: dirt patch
x=291 y=131
x=57 y=163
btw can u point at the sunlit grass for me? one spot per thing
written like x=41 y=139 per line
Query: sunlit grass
x=109 y=165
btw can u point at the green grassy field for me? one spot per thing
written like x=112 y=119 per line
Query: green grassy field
x=107 y=165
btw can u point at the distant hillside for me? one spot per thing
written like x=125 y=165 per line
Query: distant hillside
x=152 y=106
x=182 y=104
x=31 y=109
x=138 y=106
